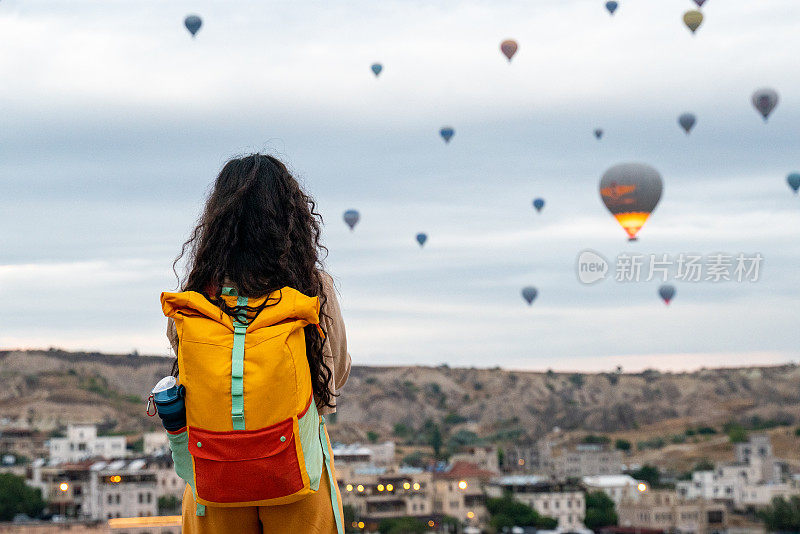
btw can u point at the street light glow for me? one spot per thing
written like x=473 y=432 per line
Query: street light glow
x=64 y=486
x=642 y=486
x=462 y=484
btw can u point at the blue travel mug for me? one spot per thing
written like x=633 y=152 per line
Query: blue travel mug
x=168 y=398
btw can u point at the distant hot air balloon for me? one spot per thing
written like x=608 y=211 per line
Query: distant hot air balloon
x=538 y=203
x=509 y=48
x=529 y=294
x=631 y=191
x=351 y=217
x=447 y=133
x=687 y=122
x=699 y=2
x=598 y=133
x=794 y=181
x=193 y=23
x=765 y=101
x=667 y=292
x=376 y=69
x=611 y=6
x=421 y=238
x=693 y=19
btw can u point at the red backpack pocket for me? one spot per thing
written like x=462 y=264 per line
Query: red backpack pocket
x=246 y=466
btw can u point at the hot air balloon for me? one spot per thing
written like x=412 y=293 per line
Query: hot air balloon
x=667 y=292
x=421 y=238
x=351 y=217
x=765 y=101
x=611 y=6
x=376 y=69
x=529 y=294
x=687 y=122
x=509 y=48
x=631 y=191
x=447 y=133
x=193 y=23
x=699 y=2
x=693 y=19
x=598 y=133
x=538 y=203
x=794 y=181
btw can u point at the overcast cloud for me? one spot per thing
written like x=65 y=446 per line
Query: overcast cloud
x=115 y=122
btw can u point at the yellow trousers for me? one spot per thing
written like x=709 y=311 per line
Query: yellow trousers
x=310 y=515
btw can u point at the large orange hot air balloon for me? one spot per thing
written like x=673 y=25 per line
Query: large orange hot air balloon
x=631 y=192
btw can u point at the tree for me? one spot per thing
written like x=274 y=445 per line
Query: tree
x=372 y=436
x=782 y=515
x=435 y=441
x=595 y=439
x=622 y=445
x=649 y=474
x=736 y=432
x=506 y=511
x=169 y=505
x=16 y=497
x=599 y=510
x=402 y=525
x=349 y=517
x=704 y=465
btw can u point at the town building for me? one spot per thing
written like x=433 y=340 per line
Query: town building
x=563 y=502
x=82 y=443
x=617 y=487
x=377 y=454
x=155 y=443
x=377 y=492
x=748 y=483
x=459 y=492
x=587 y=459
x=97 y=490
x=485 y=457
x=123 y=489
x=168 y=482
x=528 y=457
x=22 y=442
x=665 y=510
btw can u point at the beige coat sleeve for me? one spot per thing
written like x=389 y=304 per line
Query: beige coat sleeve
x=335 y=349
x=172 y=335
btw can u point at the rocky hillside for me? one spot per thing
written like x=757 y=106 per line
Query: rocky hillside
x=47 y=389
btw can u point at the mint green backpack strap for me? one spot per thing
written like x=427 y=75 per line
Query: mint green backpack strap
x=334 y=486
x=237 y=363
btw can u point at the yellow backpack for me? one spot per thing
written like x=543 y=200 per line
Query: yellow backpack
x=253 y=436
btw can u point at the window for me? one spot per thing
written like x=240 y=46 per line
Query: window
x=117 y=499
x=141 y=498
x=110 y=498
x=558 y=504
x=149 y=497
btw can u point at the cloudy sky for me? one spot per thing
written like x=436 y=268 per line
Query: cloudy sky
x=115 y=122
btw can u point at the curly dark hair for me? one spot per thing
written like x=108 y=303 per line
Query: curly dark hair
x=261 y=232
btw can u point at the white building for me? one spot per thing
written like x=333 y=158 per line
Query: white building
x=155 y=443
x=97 y=490
x=563 y=502
x=617 y=487
x=750 y=482
x=124 y=489
x=380 y=454
x=82 y=443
